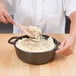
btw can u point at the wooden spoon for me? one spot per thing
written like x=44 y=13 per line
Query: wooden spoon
x=25 y=29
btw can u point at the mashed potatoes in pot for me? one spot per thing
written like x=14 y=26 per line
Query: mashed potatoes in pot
x=32 y=45
x=36 y=44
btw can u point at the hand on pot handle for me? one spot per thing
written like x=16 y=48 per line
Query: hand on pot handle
x=66 y=47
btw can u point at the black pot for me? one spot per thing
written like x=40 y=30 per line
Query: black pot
x=33 y=57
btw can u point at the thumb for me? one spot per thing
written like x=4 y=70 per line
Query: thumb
x=61 y=47
x=62 y=44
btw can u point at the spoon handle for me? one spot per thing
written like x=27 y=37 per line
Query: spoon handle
x=25 y=29
x=18 y=25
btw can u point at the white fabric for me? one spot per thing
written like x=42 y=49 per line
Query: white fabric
x=49 y=15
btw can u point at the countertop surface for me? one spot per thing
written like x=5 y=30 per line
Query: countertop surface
x=11 y=65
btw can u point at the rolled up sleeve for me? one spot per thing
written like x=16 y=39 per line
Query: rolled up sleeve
x=10 y=5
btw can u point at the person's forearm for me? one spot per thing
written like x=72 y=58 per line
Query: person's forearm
x=73 y=25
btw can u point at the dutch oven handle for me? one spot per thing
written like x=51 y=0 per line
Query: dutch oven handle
x=12 y=40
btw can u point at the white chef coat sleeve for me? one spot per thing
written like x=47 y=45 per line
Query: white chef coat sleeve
x=13 y=3
x=5 y=2
x=69 y=6
x=10 y=5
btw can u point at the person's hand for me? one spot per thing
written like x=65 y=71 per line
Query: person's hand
x=4 y=16
x=66 y=46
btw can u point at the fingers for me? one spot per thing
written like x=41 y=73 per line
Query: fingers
x=8 y=17
x=61 y=50
x=61 y=45
x=3 y=19
x=4 y=16
x=64 y=49
x=67 y=52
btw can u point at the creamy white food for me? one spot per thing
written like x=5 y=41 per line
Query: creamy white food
x=39 y=44
x=32 y=45
x=36 y=31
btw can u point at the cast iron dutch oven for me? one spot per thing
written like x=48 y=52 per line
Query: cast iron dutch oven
x=34 y=57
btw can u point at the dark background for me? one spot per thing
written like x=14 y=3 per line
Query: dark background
x=9 y=28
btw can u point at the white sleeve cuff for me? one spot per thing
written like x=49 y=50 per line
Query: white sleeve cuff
x=71 y=10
